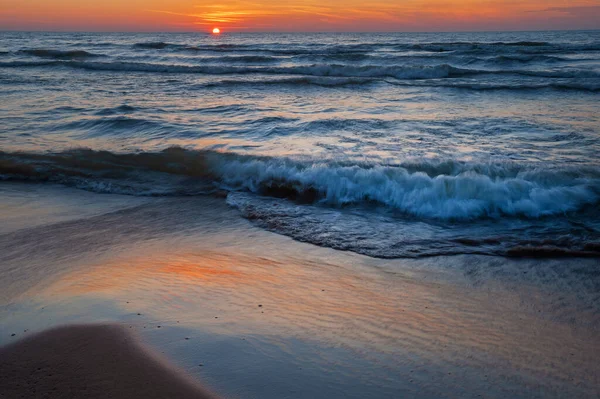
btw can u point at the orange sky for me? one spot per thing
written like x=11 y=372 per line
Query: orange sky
x=298 y=15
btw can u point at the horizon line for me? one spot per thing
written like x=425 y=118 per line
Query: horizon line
x=208 y=32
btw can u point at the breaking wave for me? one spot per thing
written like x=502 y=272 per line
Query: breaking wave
x=431 y=207
x=433 y=190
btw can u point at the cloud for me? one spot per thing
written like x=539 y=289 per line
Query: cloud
x=575 y=11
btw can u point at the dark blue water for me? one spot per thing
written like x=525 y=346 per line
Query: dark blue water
x=391 y=145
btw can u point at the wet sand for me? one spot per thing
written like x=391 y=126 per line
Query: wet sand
x=252 y=314
x=90 y=361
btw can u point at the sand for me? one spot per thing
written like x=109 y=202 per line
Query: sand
x=332 y=324
x=89 y=361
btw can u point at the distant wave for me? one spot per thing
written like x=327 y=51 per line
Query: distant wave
x=523 y=47
x=321 y=70
x=338 y=75
x=526 y=58
x=60 y=54
x=587 y=85
x=481 y=44
x=328 y=56
x=412 y=57
x=270 y=48
x=152 y=45
x=25 y=64
x=408 y=72
x=505 y=47
x=515 y=51
x=297 y=81
x=519 y=44
x=243 y=59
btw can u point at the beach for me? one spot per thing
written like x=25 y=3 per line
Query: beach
x=306 y=215
x=253 y=314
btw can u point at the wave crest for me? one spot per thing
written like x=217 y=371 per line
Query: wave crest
x=469 y=194
x=433 y=190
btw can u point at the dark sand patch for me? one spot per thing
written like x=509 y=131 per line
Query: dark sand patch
x=89 y=361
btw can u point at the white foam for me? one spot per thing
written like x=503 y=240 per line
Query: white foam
x=466 y=195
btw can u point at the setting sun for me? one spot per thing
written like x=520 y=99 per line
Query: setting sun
x=216 y=31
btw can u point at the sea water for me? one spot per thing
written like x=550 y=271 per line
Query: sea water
x=389 y=145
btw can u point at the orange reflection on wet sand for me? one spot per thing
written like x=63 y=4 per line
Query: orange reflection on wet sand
x=242 y=292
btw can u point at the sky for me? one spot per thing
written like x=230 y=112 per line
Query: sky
x=298 y=15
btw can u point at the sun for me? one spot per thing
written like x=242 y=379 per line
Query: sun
x=216 y=31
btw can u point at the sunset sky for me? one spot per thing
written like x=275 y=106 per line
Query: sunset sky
x=298 y=15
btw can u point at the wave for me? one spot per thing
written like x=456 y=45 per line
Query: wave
x=249 y=59
x=299 y=81
x=505 y=47
x=60 y=54
x=116 y=124
x=453 y=46
x=361 y=51
x=269 y=48
x=197 y=48
x=152 y=45
x=410 y=209
x=431 y=190
x=25 y=64
x=495 y=44
x=527 y=58
x=521 y=44
x=412 y=57
x=587 y=85
x=121 y=109
x=322 y=70
x=335 y=70
x=464 y=196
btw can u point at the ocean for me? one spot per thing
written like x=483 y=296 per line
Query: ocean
x=390 y=145
x=417 y=214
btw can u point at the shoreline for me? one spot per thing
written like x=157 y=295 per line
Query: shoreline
x=91 y=361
